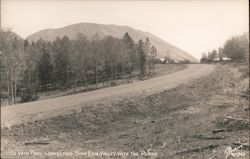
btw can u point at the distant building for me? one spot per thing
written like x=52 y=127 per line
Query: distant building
x=217 y=59
x=222 y=59
x=167 y=60
x=226 y=59
x=163 y=60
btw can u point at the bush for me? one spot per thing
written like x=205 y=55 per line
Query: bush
x=27 y=95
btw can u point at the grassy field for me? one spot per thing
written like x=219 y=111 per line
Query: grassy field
x=206 y=118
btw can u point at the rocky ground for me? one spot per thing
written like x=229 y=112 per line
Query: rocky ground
x=207 y=118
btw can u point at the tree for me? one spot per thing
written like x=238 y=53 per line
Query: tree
x=77 y=60
x=142 y=58
x=147 y=52
x=220 y=53
x=237 y=48
x=1 y=74
x=64 y=63
x=18 y=64
x=12 y=51
x=109 y=50
x=95 y=49
x=213 y=55
x=62 y=49
x=30 y=74
x=204 y=58
x=128 y=55
x=45 y=69
x=4 y=49
x=153 y=53
x=27 y=92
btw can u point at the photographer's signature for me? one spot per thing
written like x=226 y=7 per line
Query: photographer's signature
x=229 y=151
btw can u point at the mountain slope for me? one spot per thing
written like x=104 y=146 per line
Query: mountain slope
x=90 y=29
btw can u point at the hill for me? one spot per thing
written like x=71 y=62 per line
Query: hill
x=8 y=34
x=90 y=29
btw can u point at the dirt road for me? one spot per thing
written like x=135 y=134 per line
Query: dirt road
x=52 y=107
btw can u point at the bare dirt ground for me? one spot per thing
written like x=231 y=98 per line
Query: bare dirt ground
x=205 y=118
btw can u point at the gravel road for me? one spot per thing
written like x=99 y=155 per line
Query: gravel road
x=43 y=109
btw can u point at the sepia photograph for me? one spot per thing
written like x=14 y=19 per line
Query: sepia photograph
x=124 y=79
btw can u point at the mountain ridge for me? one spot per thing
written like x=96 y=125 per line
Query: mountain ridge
x=90 y=29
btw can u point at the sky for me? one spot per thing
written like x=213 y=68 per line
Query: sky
x=195 y=26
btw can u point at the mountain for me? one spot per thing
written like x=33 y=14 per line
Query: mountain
x=90 y=29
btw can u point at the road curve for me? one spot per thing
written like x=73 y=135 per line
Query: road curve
x=47 y=108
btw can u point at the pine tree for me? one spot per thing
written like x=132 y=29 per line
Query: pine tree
x=147 y=52
x=61 y=49
x=153 y=54
x=95 y=56
x=45 y=69
x=142 y=58
x=130 y=54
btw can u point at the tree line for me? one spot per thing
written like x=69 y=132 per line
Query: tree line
x=236 y=49
x=29 y=68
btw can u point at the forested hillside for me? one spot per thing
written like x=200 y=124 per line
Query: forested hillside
x=90 y=29
x=29 y=68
